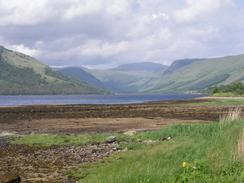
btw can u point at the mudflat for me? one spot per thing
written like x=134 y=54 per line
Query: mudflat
x=102 y=118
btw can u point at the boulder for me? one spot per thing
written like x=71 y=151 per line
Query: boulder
x=130 y=133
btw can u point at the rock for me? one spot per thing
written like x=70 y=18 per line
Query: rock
x=149 y=141
x=125 y=149
x=130 y=133
x=16 y=179
x=111 y=139
x=3 y=142
x=70 y=179
x=165 y=138
x=5 y=134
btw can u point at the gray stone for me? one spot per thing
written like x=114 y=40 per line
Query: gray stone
x=111 y=139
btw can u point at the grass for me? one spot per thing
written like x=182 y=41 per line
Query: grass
x=220 y=102
x=226 y=94
x=198 y=153
x=58 y=140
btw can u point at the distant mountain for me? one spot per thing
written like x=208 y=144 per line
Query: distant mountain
x=22 y=74
x=130 y=78
x=178 y=64
x=198 y=75
x=78 y=73
x=143 y=66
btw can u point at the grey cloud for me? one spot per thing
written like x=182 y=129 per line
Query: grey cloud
x=94 y=32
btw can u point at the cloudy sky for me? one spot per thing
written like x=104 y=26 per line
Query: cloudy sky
x=106 y=33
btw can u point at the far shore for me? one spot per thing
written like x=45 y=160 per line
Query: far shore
x=215 y=97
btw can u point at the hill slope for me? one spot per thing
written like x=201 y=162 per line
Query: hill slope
x=142 y=66
x=81 y=75
x=21 y=74
x=130 y=78
x=201 y=74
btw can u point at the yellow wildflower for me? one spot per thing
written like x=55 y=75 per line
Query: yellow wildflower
x=184 y=164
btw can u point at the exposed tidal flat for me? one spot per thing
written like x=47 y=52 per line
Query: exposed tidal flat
x=193 y=140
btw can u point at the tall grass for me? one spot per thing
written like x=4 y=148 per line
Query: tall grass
x=207 y=151
x=232 y=115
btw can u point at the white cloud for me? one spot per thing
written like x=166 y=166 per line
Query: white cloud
x=24 y=12
x=194 y=10
x=162 y=16
x=77 y=9
x=25 y=50
x=104 y=49
x=32 y=12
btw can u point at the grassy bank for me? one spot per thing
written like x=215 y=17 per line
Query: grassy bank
x=230 y=101
x=197 y=153
x=227 y=94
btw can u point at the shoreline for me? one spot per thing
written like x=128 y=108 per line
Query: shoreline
x=214 y=97
x=82 y=118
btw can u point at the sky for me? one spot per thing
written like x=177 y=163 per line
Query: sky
x=107 y=33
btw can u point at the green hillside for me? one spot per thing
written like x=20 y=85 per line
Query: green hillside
x=142 y=66
x=130 y=78
x=82 y=75
x=21 y=74
x=202 y=74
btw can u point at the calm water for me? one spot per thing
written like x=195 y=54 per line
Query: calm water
x=87 y=99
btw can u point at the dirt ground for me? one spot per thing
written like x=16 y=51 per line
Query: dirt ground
x=79 y=125
x=100 y=118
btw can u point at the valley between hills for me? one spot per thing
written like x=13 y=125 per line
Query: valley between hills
x=23 y=75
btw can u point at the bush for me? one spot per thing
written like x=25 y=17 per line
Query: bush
x=236 y=88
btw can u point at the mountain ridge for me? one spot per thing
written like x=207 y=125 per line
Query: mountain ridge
x=200 y=75
x=141 y=66
x=22 y=74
